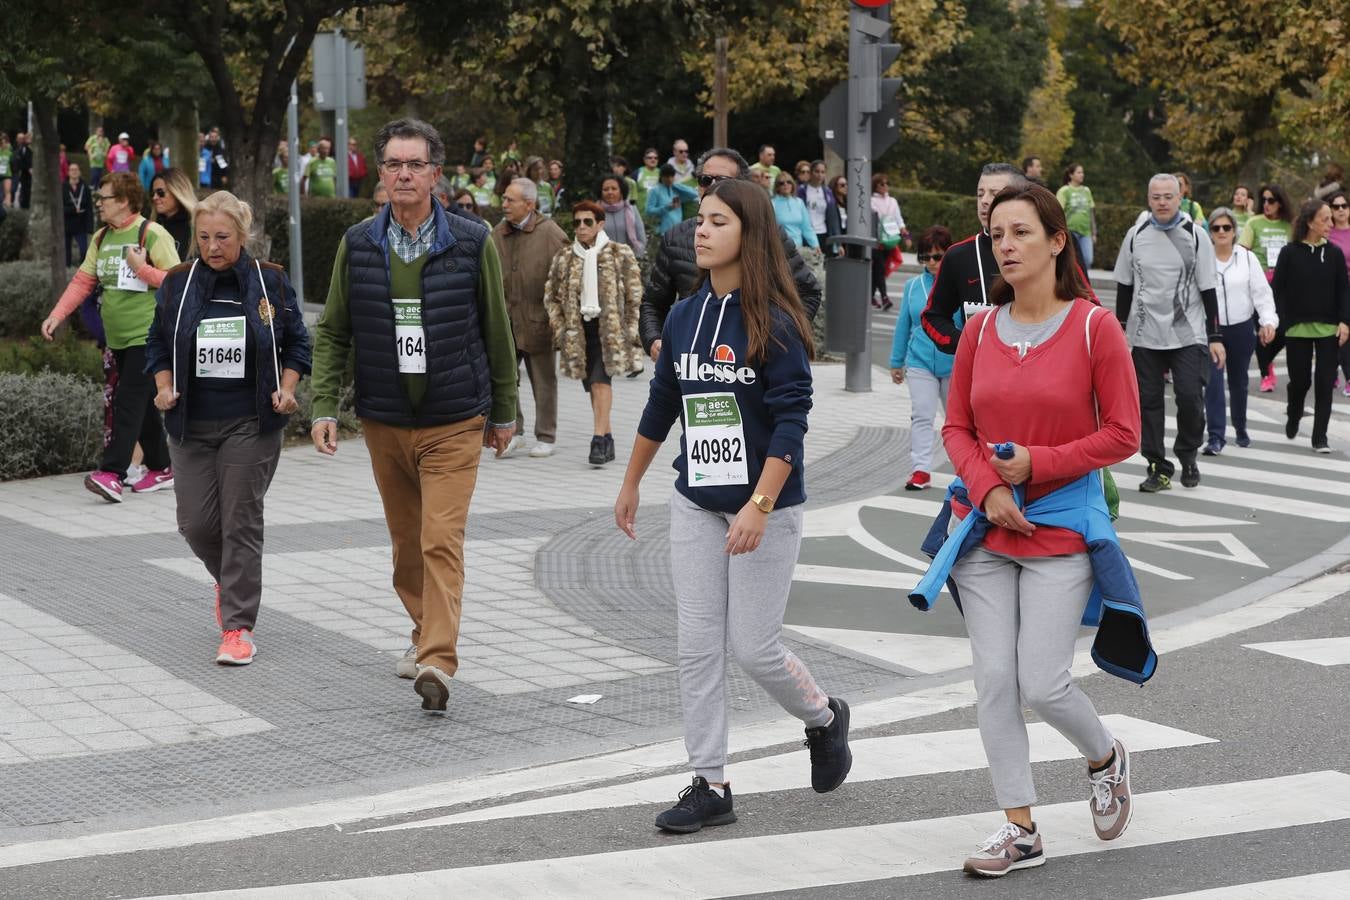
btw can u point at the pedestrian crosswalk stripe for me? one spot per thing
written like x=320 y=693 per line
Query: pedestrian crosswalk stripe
x=926 y=653
x=874 y=759
x=1318 y=886
x=1301 y=457
x=866 y=853
x=1261 y=477
x=1238 y=552
x=1329 y=651
x=877 y=578
x=1288 y=506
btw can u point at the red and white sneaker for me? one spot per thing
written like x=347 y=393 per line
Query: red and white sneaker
x=105 y=484
x=236 y=648
x=1010 y=848
x=153 y=480
x=918 y=481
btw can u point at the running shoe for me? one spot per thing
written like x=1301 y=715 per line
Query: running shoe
x=1156 y=481
x=698 y=805
x=1213 y=448
x=1243 y=440
x=1010 y=848
x=918 y=481
x=1111 y=803
x=831 y=758
x=105 y=484
x=1321 y=447
x=1190 y=475
x=597 y=457
x=236 y=648
x=407 y=666
x=1268 y=381
x=1345 y=391
x=153 y=480
x=433 y=686
x=541 y=449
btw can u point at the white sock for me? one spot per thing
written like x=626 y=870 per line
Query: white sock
x=717 y=789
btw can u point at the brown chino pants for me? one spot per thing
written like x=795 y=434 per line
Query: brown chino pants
x=426 y=478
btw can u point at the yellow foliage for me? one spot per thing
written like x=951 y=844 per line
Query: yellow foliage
x=1047 y=126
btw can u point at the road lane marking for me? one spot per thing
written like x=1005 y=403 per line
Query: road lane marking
x=1262 y=477
x=1238 y=552
x=1318 y=886
x=1330 y=651
x=926 y=653
x=874 y=759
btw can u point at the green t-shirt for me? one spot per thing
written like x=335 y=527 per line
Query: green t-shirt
x=1078 y=206
x=481 y=195
x=1242 y=218
x=97 y=148
x=322 y=175
x=1312 y=330
x=128 y=303
x=281 y=179
x=545 y=201
x=772 y=170
x=5 y=155
x=1265 y=238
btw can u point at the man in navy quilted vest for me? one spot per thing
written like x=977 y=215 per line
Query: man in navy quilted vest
x=417 y=290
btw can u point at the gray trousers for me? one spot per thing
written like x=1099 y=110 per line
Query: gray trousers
x=1022 y=615
x=221 y=472
x=926 y=392
x=741 y=598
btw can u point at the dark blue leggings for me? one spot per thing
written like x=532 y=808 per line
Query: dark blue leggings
x=1239 y=341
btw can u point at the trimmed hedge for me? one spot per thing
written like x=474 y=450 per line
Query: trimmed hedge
x=49 y=424
x=25 y=289
x=67 y=355
x=12 y=230
x=323 y=222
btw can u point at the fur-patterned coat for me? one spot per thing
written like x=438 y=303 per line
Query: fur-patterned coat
x=620 y=289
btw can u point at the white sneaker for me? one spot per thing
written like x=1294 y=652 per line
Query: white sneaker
x=541 y=449
x=512 y=446
x=407 y=666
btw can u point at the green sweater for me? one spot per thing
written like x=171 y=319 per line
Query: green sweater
x=333 y=338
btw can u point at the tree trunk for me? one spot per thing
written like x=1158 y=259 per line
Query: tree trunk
x=179 y=135
x=585 y=119
x=47 y=223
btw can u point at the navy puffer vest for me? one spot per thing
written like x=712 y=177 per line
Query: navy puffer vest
x=458 y=383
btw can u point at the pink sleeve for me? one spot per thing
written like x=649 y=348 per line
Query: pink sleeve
x=150 y=275
x=1117 y=392
x=79 y=288
x=962 y=441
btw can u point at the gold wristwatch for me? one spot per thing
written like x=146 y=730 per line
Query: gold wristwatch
x=764 y=503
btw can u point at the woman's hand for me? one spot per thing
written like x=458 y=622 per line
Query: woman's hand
x=746 y=530
x=1016 y=470
x=135 y=258
x=898 y=376
x=49 y=326
x=625 y=511
x=1267 y=334
x=283 y=401
x=167 y=398
x=1001 y=509
x=1342 y=333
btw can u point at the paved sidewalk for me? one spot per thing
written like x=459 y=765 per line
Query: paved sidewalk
x=111 y=708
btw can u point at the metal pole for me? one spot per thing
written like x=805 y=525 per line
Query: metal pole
x=858 y=167
x=297 y=272
x=340 y=137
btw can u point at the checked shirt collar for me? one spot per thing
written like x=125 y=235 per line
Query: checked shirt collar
x=410 y=246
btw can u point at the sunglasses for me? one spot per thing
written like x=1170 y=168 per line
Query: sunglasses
x=583 y=222
x=161 y=193
x=1213 y=227
x=785 y=182
x=930 y=257
x=1340 y=206
x=707 y=181
x=1269 y=200
x=468 y=206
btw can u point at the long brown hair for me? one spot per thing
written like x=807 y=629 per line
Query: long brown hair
x=1069 y=279
x=766 y=280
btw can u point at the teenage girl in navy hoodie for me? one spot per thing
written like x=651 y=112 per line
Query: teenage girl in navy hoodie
x=735 y=368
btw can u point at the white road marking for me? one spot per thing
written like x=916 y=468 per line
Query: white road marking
x=1318 y=886
x=1304 y=509
x=927 y=653
x=865 y=853
x=877 y=578
x=1260 y=477
x=1181 y=540
x=874 y=759
x=1303 y=460
x=1331 y=651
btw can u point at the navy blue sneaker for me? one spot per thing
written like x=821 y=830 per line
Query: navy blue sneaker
x=831 y=758
x=698 y=805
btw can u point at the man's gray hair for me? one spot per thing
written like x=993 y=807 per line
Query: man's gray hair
x=742 y=167
x=529 y=191
x=442 y=189
x=1166 y=176
x=1018 y=178
x=411 y=128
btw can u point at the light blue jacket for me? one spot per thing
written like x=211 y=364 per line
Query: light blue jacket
x=1122 y=646
x=146 y=170
x=912 y=347
x=658 y=204
x=796 y=220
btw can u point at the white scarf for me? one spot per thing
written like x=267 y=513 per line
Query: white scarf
x=590 y=274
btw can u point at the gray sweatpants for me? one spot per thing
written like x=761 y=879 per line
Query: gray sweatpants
x=1022 y=615
x=927 y=395
x=742 y=598
x=221 y=472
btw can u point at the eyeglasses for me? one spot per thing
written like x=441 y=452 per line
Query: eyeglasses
x=415 y=166
x=784 y=181
x=681 y=152
x=1213 y=227
x=161 y=193
x=587 y=223
x=653 y=156
x=99 y=198
x=1269 y=200
x=707 y=181
x=469 y=206
x=929 y=257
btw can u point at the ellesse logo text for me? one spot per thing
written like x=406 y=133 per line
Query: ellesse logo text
x=688 y=368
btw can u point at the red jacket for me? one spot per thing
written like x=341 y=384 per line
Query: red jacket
x=356 y=165
x=1048 y=402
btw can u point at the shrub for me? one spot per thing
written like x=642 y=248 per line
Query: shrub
x=323 y=222
x=49 y=424
x=12 y=230
x=25 y=291
x=67 y=355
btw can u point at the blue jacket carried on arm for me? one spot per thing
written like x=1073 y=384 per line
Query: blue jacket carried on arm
x=1122 y=646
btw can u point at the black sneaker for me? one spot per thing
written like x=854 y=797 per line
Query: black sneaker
x=830 y=757
x=597 y=457
x=1321 y=447
x=1156 y=481
x=1291 y=428
x=609 y=448
x=698 y=805
x=1190 y=475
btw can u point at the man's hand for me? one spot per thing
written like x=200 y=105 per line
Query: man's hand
x=498 y=437
x=1220 y=355
x=1016 y=470
x=325 y=437
x=656 y=349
